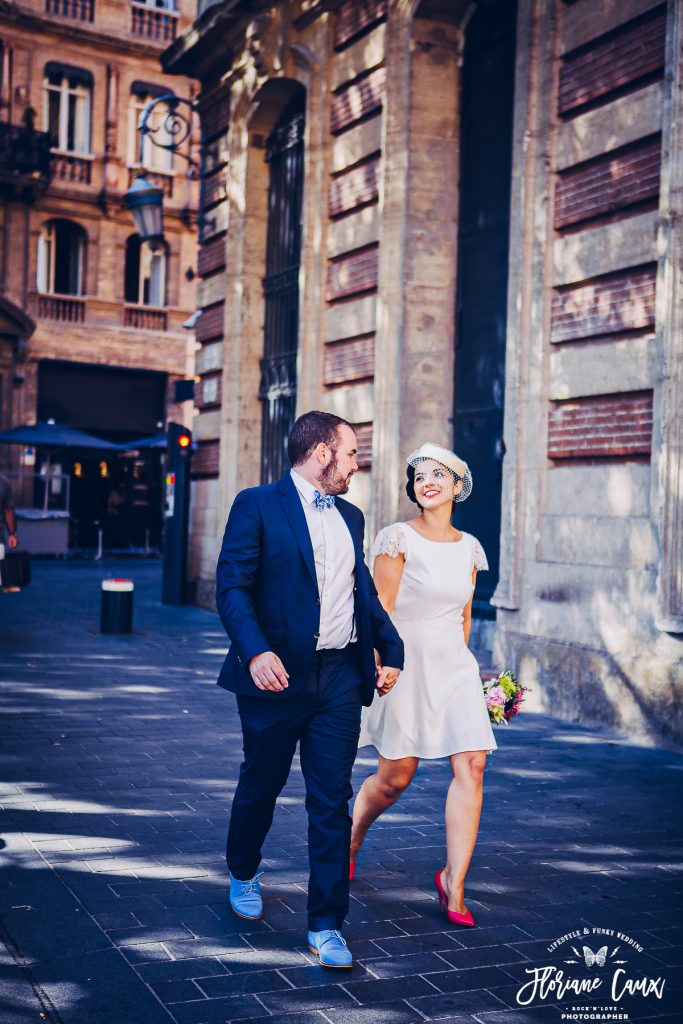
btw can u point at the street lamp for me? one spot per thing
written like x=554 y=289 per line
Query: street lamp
x=145 y=200
x=168 y=131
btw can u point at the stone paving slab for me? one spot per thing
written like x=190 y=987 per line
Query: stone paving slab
x=119 y=760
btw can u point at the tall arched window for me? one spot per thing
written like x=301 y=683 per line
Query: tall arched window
x=145 y=282
x=61 y=258
x=66 y=109
x=277 y=391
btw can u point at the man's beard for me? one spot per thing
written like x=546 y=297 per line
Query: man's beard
x=331 y=480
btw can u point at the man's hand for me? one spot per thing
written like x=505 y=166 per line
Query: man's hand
x=13 y=540
x=268 y=672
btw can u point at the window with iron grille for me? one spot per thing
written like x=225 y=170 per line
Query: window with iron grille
x=285 y=157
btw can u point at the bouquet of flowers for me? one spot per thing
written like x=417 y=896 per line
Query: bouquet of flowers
x=503 y=695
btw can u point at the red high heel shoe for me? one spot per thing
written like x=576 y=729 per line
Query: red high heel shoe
x=352 y=863
x=464 y=920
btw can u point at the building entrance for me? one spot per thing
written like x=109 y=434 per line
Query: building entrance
x=115 y=497
x=486 y=167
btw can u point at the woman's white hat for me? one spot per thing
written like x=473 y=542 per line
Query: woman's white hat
x=447 y=458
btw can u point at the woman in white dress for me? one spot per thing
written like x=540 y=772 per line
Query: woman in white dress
x=425 y=572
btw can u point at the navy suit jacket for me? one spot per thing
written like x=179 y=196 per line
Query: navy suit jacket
x=267 y=592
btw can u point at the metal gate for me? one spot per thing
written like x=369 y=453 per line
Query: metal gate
x=486 y=167
x=277 y=391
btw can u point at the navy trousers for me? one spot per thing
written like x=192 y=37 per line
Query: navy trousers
x=324 y=718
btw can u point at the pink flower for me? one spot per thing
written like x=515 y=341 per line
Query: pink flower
x=496 y=695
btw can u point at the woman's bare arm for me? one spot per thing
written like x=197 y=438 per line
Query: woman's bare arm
x=467 y=611
x=387 y=576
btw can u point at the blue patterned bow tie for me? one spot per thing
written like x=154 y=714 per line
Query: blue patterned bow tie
x=324 y=500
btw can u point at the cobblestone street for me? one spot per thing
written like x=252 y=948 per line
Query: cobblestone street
x=119 y=757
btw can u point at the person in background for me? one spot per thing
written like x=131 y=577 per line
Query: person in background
x=8 y=519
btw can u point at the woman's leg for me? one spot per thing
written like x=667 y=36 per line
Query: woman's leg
x=463 y=810
x=378 y=792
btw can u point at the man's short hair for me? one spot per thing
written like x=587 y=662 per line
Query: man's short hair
x=310 y=430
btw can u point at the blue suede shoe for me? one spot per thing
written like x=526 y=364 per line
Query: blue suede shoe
x=245 y=897
x=330 y=948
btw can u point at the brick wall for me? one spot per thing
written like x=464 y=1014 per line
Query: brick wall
x=609 y=184
x=209 y=326
x=357 y=100
x=629 y=56
x=353 y=273
x=354 y=188
x=609 y=304
x=604 y=426
x=354 y=19
x=350 y=360
x=205 y=460
x=359 y=78
x=214 y=110
x=618 y=179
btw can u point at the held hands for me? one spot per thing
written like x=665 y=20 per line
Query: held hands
x=268 y=672
x=386 y=676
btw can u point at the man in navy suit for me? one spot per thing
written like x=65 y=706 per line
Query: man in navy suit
x=310 y=644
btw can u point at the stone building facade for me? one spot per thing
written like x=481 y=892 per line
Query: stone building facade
x=91 y=322
x=489 y=256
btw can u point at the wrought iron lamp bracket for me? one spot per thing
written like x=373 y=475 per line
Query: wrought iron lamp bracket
x=176 y=128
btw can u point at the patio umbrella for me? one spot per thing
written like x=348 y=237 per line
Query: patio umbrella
x=48 y=434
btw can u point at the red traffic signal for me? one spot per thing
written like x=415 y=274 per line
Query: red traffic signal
x=184 y=440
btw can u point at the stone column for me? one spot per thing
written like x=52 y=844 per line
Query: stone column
x=667 y=441
x=527 y=314
x=415 y=343
x=393 y=205
x=310 y=67
x=240 y=427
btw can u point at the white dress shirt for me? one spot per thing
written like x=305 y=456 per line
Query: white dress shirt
x=335 y=562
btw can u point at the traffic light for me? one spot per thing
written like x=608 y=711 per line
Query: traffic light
x=176 y=514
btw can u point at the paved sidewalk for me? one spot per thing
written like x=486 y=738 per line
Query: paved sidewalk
x=119 y=760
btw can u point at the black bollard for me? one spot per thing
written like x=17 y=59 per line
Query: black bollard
x=117 y=606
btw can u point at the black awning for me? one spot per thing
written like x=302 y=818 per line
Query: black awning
x=79 y=75
x=150 y=89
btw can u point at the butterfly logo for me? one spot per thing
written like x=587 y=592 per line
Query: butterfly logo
x=598 y=958
x=592 y=959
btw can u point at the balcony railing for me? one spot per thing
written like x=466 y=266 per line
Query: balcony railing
x=25 y=158
x=81 y=10
x=158 y=178
x=151 y=23
x=69 y=167
x=145 y=319
x=64 y=308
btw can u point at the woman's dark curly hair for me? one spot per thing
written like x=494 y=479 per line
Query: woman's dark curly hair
x=410 y=485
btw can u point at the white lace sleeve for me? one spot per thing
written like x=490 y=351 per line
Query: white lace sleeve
x=480 y=561
x=390 y=541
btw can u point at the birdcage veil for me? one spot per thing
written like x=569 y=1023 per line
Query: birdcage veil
x=456 y=466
